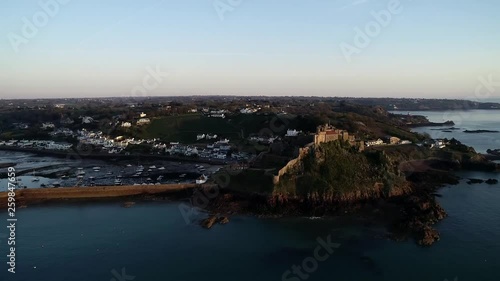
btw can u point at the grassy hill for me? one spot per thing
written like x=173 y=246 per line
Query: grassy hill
x=184 y=128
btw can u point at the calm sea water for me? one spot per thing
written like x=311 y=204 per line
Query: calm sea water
x=152 y=241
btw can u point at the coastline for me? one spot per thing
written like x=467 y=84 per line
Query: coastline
x=73 y=154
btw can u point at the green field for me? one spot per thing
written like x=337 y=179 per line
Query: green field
x=184 y=128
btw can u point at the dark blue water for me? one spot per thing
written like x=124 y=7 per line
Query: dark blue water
x=152 y=241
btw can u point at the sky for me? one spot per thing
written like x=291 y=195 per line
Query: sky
x=359 y=48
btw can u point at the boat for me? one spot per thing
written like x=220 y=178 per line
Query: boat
x=201 y=180
x=64 y=177
x=35 y=179
x=96 y=168
x=161 y=168
x=91 y=178
x=79 y=177
x=56 y=184
x=80 y=171
x=182 y=175
x=149 y=170
x=129 y=165
x=152 y=167
x=109 y=173
x=118 y=182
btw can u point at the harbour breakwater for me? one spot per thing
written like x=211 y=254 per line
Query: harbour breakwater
x=35 y=195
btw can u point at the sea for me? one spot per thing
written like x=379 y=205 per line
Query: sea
x=158 y=241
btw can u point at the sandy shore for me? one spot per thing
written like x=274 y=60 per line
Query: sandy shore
x=25 y=196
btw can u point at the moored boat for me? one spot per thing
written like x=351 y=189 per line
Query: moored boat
x=201 y=180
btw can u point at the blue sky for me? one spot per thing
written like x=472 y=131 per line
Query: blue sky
x=431 y=48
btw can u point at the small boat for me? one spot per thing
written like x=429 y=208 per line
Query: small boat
x=161 y=168
x=129 y=165
x=96 y=168
x=80 y=171
x=149 y=170
x=64 y=177
x=91 y=178
x=152 y=167
x=79 y=177
x=109 y=173
x=118 y=182
x=56 y=184
x=201 y=180
x=35 y=179
x=182 y=175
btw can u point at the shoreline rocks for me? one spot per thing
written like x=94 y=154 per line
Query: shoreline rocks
x=491 y=181
x=212 y=220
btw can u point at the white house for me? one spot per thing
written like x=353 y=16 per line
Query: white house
x=374 y=142
x=48 y=125
x=292 y=133
x=87 y=120
x=143 y=121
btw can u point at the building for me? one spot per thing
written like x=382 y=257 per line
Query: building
x=393 y=140
x=327 y=133
x=143 y=121
x=48 y=125
x=126 y=124
x=374 y=142
x=142 y=115
x=87 y=120
x=292 y=133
